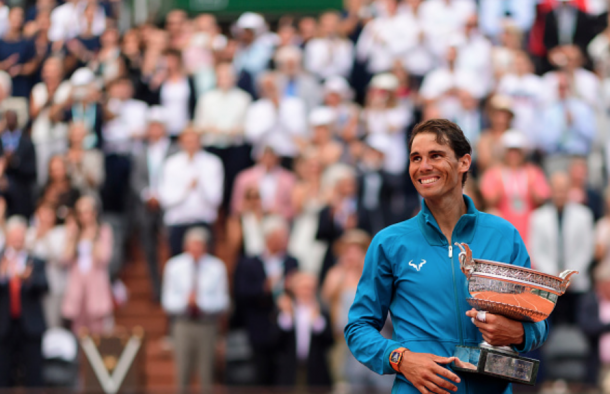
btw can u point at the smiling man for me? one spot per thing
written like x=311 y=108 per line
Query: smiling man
x=412 y=271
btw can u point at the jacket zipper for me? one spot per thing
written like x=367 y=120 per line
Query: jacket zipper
x=455 y=293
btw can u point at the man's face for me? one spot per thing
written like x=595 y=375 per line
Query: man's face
x=190 y=142
x=195 y=248
x=560 y=189
x=16 y=237
x=434 y=168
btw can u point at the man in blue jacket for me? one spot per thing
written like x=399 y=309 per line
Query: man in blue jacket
x=412 y=271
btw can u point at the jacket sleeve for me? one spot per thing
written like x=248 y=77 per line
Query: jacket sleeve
x=37 y=282
x=368 y=313
x=535 y=334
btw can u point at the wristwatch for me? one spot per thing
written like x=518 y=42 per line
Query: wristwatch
x=396 y=358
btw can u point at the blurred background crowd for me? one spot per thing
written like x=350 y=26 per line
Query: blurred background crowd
x=252 y=160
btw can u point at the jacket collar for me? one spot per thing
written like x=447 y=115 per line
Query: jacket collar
x=464 y=229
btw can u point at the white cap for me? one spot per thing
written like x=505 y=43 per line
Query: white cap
x=59 y=343
x=514 y=139
x=82 y=77
x=322 y=116
x=251 y=20
x=338 y=85
x=380 y=142
x=156 y=114
x=385 y=81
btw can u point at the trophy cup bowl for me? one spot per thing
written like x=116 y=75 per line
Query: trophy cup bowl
x=515 y=292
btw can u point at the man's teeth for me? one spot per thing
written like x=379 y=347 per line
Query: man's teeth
x=427 y=181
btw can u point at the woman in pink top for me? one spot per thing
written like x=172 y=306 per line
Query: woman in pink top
x=88 y=298
x=514 y=188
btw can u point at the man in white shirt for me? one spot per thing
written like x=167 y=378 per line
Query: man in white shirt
x=195 y=293
x=220 y=116
x=276 y=118
x=385 y=40
x=190 y=190
x=443 y=19
x=147 y=165
x=329 y=55
x=526 y=90
x=443 y=85
x=562 y=237
x=475 y=53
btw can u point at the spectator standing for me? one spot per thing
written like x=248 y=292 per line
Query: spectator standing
x=569 y=127
x=385 y=40
x=220 y=116
x=308 y=198
x=515 y=188
x=566 y=24
x=18 y=167
x=85 y=166
x=338 y=293
x=443 y=19
x=562 y=237
x=581 y=192
x=276 y=118
x=328 y=150
x=49 y=137
x=594 y=320
x=10 y=103
x=244 y=229
x=305 y=336
x=18 y=55
x=274 y=183
x=526 y=92
x=195 y=294
x=23 y=282
x=58 y=191
x=145 y=181
x=46 y=241
x=190 y=190
x=88 y=298
x=329 y=54
x=176 y=94
x=259 y=281
x=253 y=53
x=338 y=97
x=293 y=81
x=385 y=117
x=340 y=213
x=474 y=54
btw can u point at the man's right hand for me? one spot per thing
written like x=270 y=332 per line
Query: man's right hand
x=425 y=373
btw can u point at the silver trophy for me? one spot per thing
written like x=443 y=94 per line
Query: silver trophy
x=515 y=292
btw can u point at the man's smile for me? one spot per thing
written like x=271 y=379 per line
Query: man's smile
x=428 y=180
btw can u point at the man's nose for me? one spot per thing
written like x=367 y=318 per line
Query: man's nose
x=425 y=164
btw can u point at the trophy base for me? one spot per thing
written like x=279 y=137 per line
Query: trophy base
x=498 y=364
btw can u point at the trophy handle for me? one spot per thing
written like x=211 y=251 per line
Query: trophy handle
x=466 y=262
x=567 y=277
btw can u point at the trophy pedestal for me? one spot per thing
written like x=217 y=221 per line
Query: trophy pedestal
x=489 y=361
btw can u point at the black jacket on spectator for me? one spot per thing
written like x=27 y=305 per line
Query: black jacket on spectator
x=21 y=174
x=255 y=304
x=583 y=32
x=588 y=320
x=374 y=219
x=20 y=339
x=317 y=361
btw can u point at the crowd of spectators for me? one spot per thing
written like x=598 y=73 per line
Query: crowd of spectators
x=281 y=146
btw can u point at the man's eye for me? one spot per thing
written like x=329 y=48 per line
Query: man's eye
x=415 y=159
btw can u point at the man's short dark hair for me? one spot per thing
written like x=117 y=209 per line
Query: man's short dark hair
x=447 y=133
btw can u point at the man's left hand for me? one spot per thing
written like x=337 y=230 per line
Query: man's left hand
x=498 y=330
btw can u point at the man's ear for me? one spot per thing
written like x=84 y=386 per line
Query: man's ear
x=464 y=163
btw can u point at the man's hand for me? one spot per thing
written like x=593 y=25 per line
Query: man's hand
x=425 y=373
x=498 y=330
